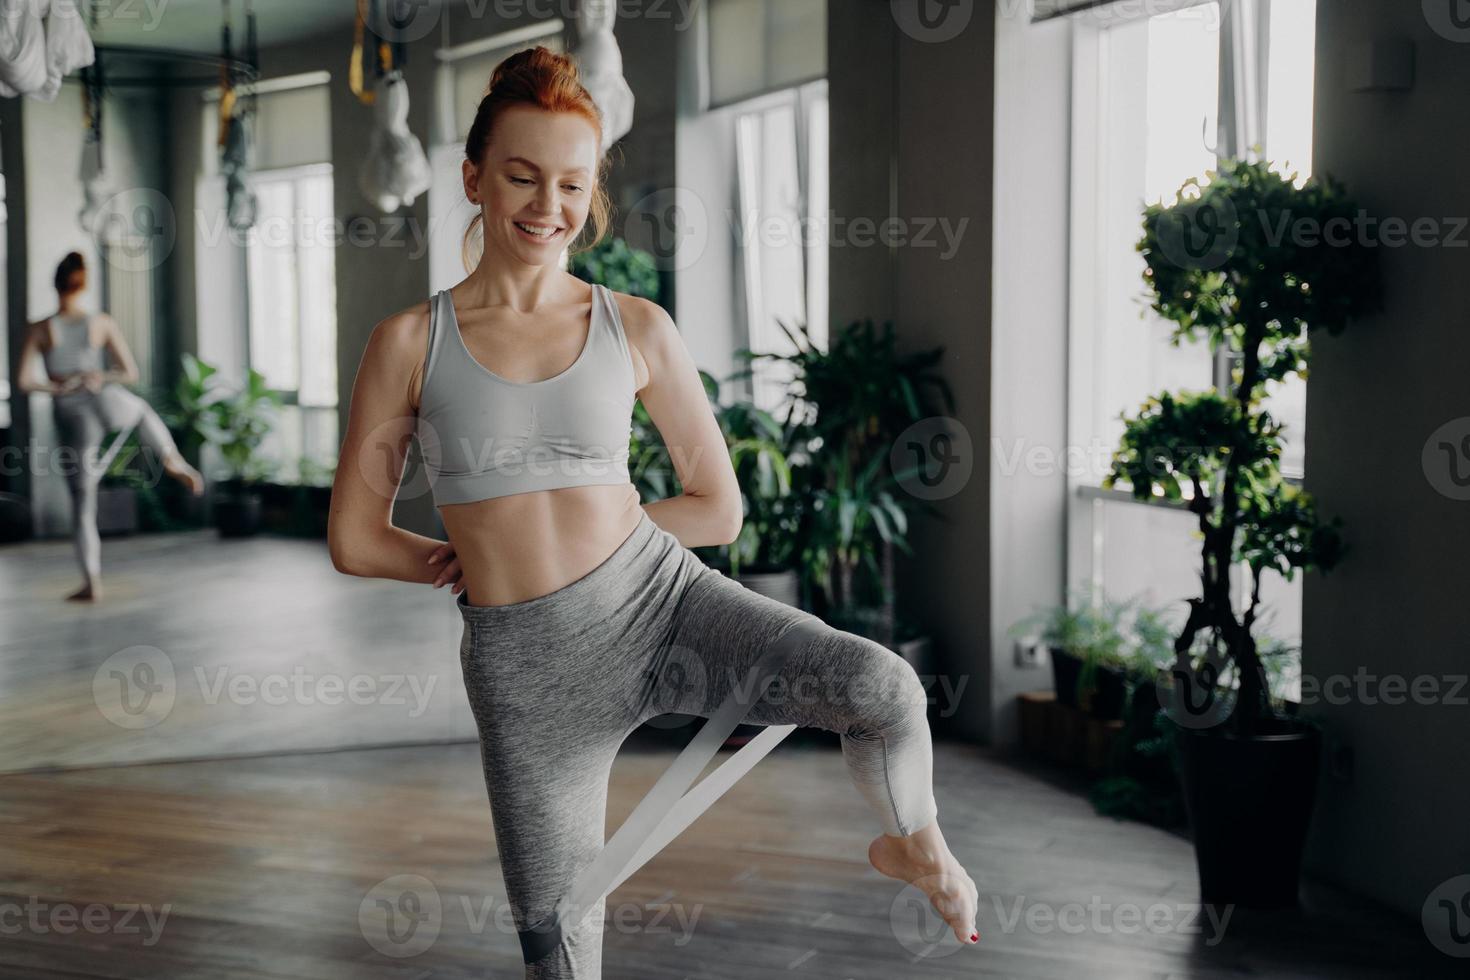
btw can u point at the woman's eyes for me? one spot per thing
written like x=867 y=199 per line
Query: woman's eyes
x=525 y=180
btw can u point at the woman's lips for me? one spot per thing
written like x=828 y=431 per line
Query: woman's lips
x=537 y=238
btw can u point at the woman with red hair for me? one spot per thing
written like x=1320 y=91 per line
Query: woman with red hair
x=585 y=612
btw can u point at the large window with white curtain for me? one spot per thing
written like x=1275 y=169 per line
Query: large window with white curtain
x=781 y=182
x=1157 y=94
x=268 y=295
x=291 y=289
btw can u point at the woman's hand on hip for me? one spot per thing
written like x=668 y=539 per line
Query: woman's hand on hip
x=449 y=571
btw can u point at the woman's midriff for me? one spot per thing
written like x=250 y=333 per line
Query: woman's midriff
x=527 y=545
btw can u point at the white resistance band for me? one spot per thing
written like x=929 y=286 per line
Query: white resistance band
x=667 y=809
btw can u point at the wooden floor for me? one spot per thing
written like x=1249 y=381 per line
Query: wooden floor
x=205 y=647
x=286 y=864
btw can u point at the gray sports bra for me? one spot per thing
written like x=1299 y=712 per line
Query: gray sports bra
x=71 y=350
x=484 y=436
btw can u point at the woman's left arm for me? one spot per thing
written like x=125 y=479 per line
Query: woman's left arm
x=709 y=511
x=112 y=339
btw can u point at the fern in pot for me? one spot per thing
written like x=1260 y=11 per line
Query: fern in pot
x=1091 y=655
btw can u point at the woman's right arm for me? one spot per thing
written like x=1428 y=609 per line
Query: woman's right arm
x=31 y=350
x=361 y=536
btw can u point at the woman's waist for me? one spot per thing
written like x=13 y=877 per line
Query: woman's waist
x=521 y=547
x=81 y=394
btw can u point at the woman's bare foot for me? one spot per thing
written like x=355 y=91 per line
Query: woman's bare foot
x=87 y=593
x=179 y=468
x=923 y=859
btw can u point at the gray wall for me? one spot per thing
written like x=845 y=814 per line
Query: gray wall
x=1028 y=510
x=912 y=138
x=1378 y=391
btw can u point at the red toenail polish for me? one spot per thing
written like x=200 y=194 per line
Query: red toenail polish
x=974 y=937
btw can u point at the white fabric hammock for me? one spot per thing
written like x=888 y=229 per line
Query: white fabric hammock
x=396 y=169
x=41 y=42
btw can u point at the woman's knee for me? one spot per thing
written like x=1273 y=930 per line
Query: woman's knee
x=880 y=690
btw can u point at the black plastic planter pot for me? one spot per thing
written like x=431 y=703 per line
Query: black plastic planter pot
x=1064 y=671
x=1108 y=694
x=1249 y=803
x=238 y=515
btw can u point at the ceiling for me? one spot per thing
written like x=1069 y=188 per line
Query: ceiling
x=194 y=25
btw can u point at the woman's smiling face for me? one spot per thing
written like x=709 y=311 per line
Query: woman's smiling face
x=535 y=183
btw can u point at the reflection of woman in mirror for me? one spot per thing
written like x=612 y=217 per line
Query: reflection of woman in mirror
x=89 y=401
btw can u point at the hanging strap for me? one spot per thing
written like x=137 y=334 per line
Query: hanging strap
x=666 y=810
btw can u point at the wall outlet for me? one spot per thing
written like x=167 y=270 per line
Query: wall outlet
x=1030 y=651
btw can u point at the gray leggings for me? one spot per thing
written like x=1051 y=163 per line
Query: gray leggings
x=556 y=683
x=83 y=419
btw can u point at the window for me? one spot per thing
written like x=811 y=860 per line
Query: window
x=267 y=296
x=781 y=175
x=1155 y=99
x=292 y=300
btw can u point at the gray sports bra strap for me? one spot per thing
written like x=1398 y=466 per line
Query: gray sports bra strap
x=666 y=810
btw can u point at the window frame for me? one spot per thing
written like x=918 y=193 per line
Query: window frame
x=1084 y=535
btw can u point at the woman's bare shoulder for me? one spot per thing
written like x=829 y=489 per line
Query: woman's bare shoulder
x=644 y=321
x=402 y=331
x=398 y=347
x=648 y=328
x=38 y=333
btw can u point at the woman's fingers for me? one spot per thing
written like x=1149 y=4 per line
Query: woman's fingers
x=450 y=573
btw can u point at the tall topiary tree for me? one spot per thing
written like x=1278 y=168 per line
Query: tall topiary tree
x=1251 y=262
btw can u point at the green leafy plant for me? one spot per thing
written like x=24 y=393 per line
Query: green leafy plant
x=1226 y=262
x=753 y=440
x=844 y=410
x=1124 y=635
x=195 y=395
x=233 y=419
x=618 y=266
x=767 y=539
x=310 y=473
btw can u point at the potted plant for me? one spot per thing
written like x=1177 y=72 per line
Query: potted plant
x=846 y=407
x=236 y=424
x=1225 y=262
x=1142 y=781
x=763 y=557
x=1091 y=659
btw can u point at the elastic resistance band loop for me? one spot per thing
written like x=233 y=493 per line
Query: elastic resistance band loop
x=667 y=810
